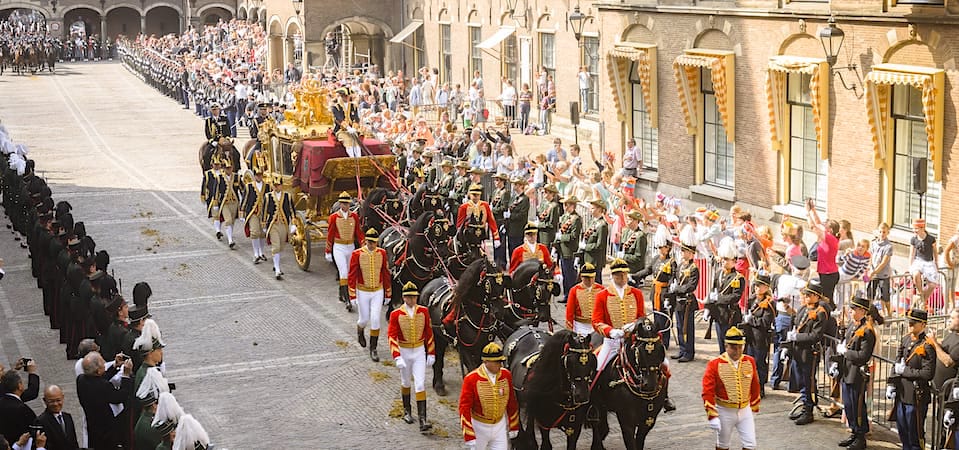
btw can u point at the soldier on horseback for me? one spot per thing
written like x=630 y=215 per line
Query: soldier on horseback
x=476 y=217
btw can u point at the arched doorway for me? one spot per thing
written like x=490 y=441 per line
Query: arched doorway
x=25 y=20
x=123 y=21
x=361 y=43
x=241 y=14
x=162 y=20
x=81 y=22
x=276 y=44
x=215 y=14
x=294 y=44
x=254 y=15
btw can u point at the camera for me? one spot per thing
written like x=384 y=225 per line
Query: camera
x=23 y=363
x=34 y=430
x=123 y=357
x=171 y=386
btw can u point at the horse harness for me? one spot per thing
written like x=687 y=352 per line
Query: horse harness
x=629 y=374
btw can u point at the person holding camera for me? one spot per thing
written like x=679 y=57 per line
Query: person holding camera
x=96 y=394
x=908 y=384
x=33 y=380
x=15 y=416
x=856 y=354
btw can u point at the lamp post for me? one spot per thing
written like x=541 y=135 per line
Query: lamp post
x=576 y=21
x=831 y=39
x=297 y=6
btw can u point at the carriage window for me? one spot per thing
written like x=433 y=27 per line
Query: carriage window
x=283 y=158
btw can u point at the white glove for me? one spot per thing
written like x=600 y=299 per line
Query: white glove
x=705 y=315
x=292 y=229
x=784 y=355
x=714 y=296
x=505 y=216
x=955 y=392
x=841 y=348
x=430 y=360
x=715 y=424
x=834 y=370
x=582 y=245
x=900 y=367
x=513 y=434
x=559 y=235
x=497 y=243
x=471 y=444
x=386 y=300
x=747 y=317
x=890 y=392
x=351 y=130
x=616 y=333
x=329 y=257
x=620 y=254
x=792 y=335
x=836 y=313
x=949 y=418
x=400 y=362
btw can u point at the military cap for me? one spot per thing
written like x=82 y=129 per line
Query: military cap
x=551 y=188
x=372 y=235
x=917 y=315
x=501 y=176
x=531 y=227
x=635 y=215
x=813 y=287
x=477 y=171
x=446 y=163
x=462 y=165
x=519 y=180
x=410 y=289
x=345 y=197
x=587 y=270
x=476 y=189
x=571 y=199
x=860 y=301
x=493 y=352
x=763 y=278
x=618 y=265
x=735 y=336
x=599 y=203
x=215 y=105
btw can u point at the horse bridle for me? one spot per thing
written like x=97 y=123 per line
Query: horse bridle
x=481 y=327
x=583 y=360
x=629 y=374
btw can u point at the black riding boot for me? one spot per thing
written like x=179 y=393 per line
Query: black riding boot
x=848 y=440
x=361 y=337
x=345 y=294
x=407 y=409
x=373 y=355
x=859 y=443
x=421 y=411
x=806 y=417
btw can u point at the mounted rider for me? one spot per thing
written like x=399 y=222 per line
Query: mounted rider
x=475 y=216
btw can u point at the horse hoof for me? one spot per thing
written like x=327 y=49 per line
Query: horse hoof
x=440 y=390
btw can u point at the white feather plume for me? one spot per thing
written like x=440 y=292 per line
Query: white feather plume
x=661 y=237
x=153 y=382
x=688 y=236
x=150 y=332
x=727 y=248
x=18 y=163
x=188 y=433
x=168 y=410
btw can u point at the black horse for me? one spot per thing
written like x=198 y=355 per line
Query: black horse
x=532 y=287
x=416 y=254
x=424 y=199
x=633 y=385
x=552 y=376
x=381 y=208
x=464 y=313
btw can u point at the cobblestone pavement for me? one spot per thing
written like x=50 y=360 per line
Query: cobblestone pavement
x=261 y=363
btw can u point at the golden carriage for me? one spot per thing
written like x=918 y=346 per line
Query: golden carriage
x=301 y=155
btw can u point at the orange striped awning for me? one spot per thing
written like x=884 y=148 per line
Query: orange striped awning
x=776 y=72
x=619 y=61
x=929 y=81
x=686 y=69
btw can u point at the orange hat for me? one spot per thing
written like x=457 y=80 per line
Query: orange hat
x=919 y=222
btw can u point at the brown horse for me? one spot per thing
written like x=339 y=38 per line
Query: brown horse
x=225 y=148
x=26 y=57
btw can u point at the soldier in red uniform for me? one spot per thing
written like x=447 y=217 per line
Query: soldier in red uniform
x=530 y=249
x=412 y=346
x=581 y=301
x=477 y=217
x=489 y=412
x=344 y=231
x=369 y=287
x=731 y=392
x=616 y=306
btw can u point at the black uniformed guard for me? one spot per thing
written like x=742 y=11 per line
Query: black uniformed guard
x=723 y=302
x=461 y=184
x=261 y=115
x=209 y=193
x=806 y=341
x=909 y=382
x=567 y=243
x=548 y=214
x=855 y=354
x=345 y=113
x=596 y=238
x=499 y=203
x=517 y=215
x=682 y=295
x=758 y=325
x=216 y=126
x=663 y=269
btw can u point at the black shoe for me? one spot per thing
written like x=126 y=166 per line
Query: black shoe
x=684 y=359
x=806 y=417
x=349 y=307
x=256 y=260
x=373 y=354
x=847 y=441
x=219 y=235
x=796 y=414
x=676 y=356
x=421 y=411
x=776 y=387
x=279 y=276
x=668 y=405
x=232 y=245
x=360 y=337
x=407 y=409
x=858 y=444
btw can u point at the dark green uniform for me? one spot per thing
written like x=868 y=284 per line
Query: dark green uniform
x=144 y=435
x=548 y=217
x=634 y=249
x=597 y=238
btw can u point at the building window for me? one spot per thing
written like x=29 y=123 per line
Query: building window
x=718 y=152
x=446 y=55
x=807 y=171
x=590 y=58
x=476 y=55
x=912 y=144
x=647 y=137
x=419 y=44
x=547 y=59
x=510 y=54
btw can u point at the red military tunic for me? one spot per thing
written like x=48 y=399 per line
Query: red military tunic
x=522 y=253
x=611 y=312
x=481 y=210
x=580 y=304
x=368 y=271
x=343 y=230
x=410 y=332
x=729 y=386
x=487 y=402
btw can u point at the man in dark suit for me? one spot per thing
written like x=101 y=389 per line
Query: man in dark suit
x=58 y=425
x=96 y=393
x=33 y=380
x=15 y=416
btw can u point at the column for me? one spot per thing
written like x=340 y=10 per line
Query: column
x=287 y=54
x=143 y=24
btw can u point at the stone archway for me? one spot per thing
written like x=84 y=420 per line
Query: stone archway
x=29 y=18
x=294 y=40
x=122 y=21
x=241 y=14
x=214 y=14
x=276 y=44
x=82 y=21
x=253 y=15
x=162 y=20
x=362 y=41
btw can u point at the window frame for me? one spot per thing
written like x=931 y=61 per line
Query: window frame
x=509 y=67
x=719 y=140
x=446 y=53
x=804 y=103
x=592 y=67
x=551 y=68
x=475 y=54
x=915 y=120
x=650 y=142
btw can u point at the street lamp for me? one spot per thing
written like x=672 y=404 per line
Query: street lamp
x=576 y=21
x=831 y=39
x=53 y=5
x=511 y=6
x=297 y=6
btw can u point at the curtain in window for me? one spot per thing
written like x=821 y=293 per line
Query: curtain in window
x=776 y=71
x=686 y=69
x=618 y=62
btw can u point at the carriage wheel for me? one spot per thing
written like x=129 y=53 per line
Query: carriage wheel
x=301 y=242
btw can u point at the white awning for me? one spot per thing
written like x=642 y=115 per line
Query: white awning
x=406 y=32
x=496 y=38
